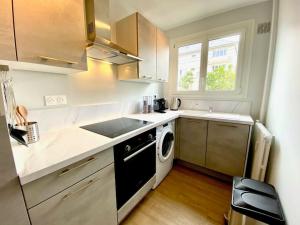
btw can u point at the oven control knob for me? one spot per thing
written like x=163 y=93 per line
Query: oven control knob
x=127 y=148
x=150 y=136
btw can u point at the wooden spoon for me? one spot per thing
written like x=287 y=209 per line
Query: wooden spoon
x=23 y=113
x=19 y=118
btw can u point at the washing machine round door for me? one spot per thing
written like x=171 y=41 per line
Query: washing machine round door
x=166 y=144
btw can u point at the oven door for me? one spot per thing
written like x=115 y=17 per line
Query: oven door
x=133 y=171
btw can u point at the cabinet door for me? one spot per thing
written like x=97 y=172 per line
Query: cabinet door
x=7 y=39
x=126 y=33
x=192 y=142
x=51 y=32
x=146 y=48
x=227 y=147
x=162 y=58
x=89 y=202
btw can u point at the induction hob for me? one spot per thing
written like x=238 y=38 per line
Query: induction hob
x=116 y=127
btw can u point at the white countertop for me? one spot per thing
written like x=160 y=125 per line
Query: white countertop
x=216 y=116
x=61 y=148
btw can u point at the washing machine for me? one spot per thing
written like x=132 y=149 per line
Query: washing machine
x=165 y=136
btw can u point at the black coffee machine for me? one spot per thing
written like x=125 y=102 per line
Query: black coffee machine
x=160 y=105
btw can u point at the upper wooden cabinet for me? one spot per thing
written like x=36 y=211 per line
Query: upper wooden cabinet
x=7 y=39
x=162 y=58
x=51 y=32
x=140 y=37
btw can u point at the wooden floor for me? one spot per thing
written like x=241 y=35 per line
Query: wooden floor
x=185 y=197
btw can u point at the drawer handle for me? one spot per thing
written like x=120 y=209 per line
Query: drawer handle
x=66 y=171
x=227 y=125
x=58 y=60
x=79 y=189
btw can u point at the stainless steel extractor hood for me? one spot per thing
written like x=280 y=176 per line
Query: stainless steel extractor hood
x=99 y=35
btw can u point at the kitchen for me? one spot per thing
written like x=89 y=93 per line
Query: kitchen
x=142 y=112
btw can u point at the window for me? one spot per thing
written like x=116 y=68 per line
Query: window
x=189 y=58
x=218 y=53
x=221 y=71
x=210 y=64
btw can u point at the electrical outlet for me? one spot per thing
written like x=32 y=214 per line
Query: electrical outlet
x=52 y=100
x=61 y=100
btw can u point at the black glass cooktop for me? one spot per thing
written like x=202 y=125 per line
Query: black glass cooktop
x=116 y=127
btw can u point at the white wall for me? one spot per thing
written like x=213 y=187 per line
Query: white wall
x=260 y=13
x=283 y=117
x=98 y=85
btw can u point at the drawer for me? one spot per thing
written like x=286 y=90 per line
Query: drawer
x=88 y=202
x=49 y=185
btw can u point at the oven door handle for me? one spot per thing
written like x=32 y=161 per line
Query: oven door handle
x=139 y=151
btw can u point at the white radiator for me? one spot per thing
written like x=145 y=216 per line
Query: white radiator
x=263 y=140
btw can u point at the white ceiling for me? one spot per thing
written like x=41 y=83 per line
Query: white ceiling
x=168 y=14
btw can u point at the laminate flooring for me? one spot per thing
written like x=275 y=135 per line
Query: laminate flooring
x=185 y=197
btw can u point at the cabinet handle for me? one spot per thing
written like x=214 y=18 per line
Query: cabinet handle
x=79 y=189
x=227 y=125
x=148 y=78
x=58 y=60
x=66 y=171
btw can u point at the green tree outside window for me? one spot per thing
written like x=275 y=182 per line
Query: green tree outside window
x=187 y=80
x=221 y=79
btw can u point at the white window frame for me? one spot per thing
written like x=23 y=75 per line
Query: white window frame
x=246 y=30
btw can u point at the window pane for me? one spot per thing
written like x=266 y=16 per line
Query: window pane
x=222 y=63
x=189 y=58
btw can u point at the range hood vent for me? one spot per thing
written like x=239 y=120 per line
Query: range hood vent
x=98 y=32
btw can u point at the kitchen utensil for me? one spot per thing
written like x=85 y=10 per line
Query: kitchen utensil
x=33 y=134
x=19 y=119
x=32 y=131
x=23 y=113
x=176 y=103
x=17 y=134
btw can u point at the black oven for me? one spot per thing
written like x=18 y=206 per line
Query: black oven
x=134 y=165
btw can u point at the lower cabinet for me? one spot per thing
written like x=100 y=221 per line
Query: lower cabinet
x=88 y=202
x=227 y=145
x=218 y=146
x=192 y=142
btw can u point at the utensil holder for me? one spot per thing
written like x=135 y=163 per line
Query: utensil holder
x=33 y=134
